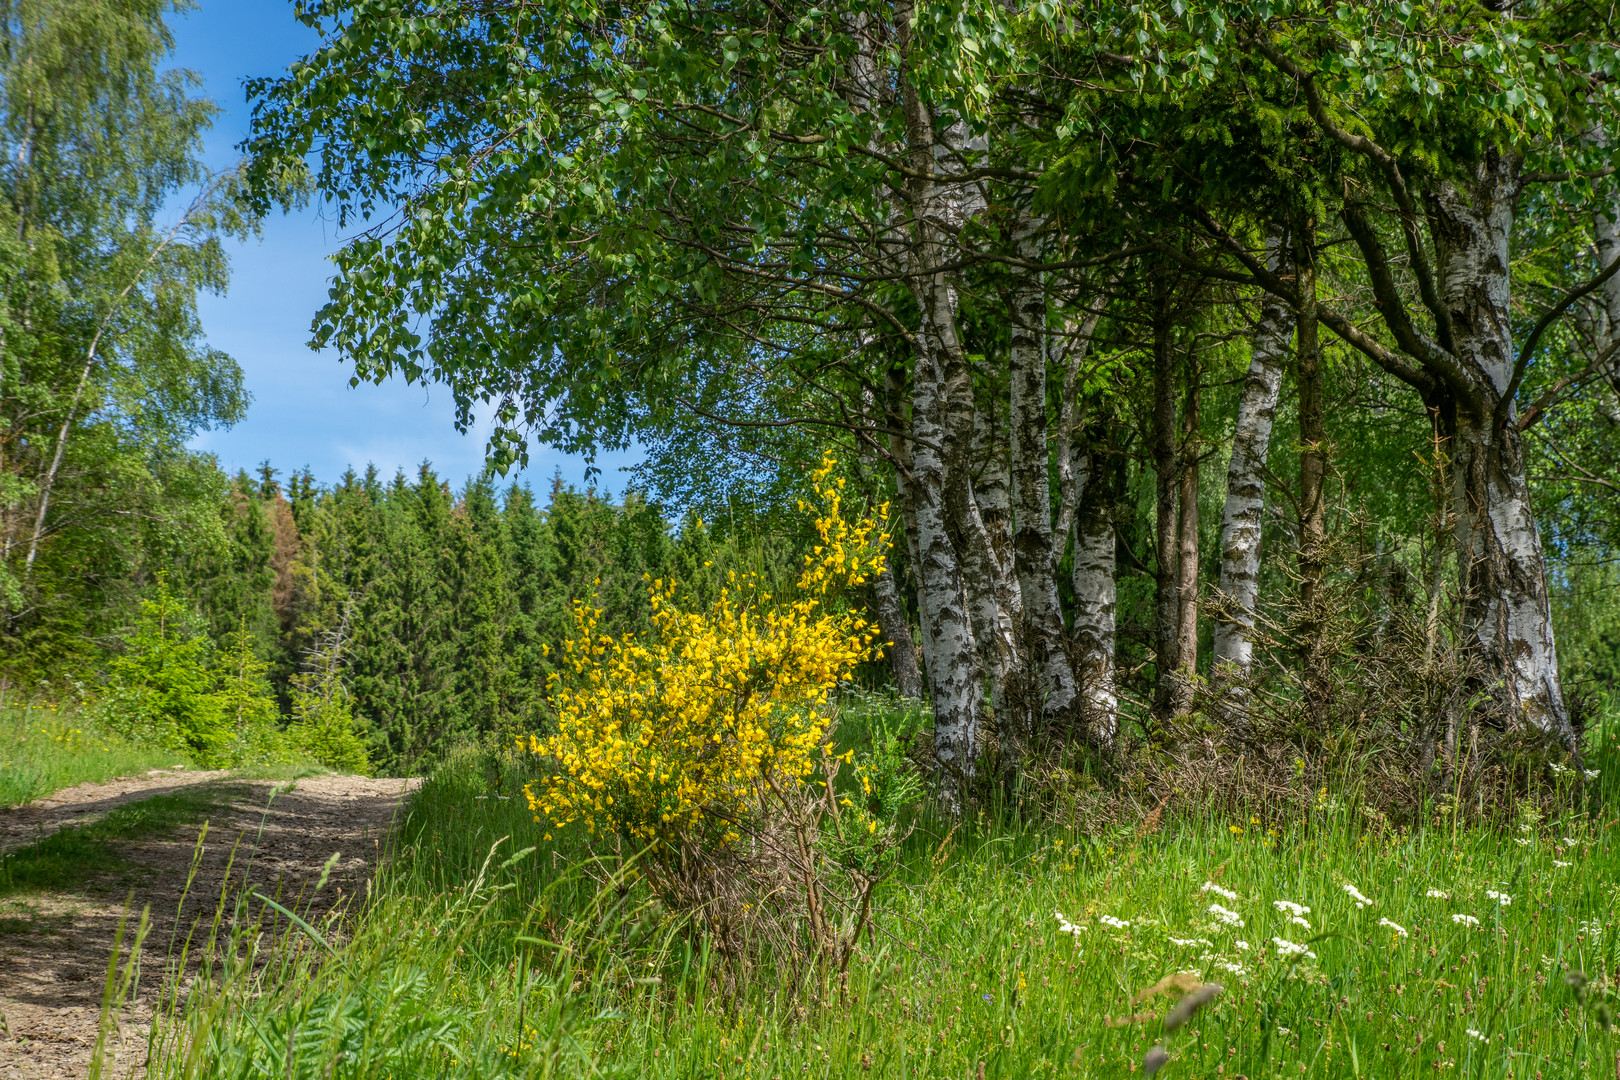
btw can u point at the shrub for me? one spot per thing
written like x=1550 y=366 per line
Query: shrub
x=697 y=746
x=163 y=683
x=247 y=706
x=324 y=726
x=676 y=738
x=882 y=730
x=171 y=688
x=325 y=729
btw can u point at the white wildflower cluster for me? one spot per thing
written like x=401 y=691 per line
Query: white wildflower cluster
x=1438 y=894
x=1288 y=907
x=1570 y=841
x=1117 y=924
x=1243 y=946
x=1500 y=897
x=1067 y=927
x=1297 y=921
x=1560 y=863
x=1397 y=927
x=1521 y=842
x=1464 y=920
x=1473 y=1034
x=1356 y=895
x=1591 y=774
x=1590 y=927
x=1229 y=966
x=1291 y=948
x=1559 y=770
x=1225 y=894
x=1187 y=943
x=1225 y=916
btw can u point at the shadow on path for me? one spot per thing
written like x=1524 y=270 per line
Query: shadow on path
x=54 y=946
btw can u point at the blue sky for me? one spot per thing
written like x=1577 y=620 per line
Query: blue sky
x=304 y=412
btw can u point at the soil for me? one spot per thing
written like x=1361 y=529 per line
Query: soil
x=55 y=947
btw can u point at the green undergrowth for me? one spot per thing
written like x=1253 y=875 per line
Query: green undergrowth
x=43 y=749
x=1001 y=950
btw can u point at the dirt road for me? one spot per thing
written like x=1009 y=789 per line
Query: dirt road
x=54 y=945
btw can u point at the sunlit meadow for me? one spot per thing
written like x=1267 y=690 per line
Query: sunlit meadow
x=1343 y=947
x=44 y=748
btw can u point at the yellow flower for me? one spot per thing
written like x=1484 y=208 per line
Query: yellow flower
x=684 y=730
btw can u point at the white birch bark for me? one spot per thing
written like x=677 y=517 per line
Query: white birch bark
x=900 y=450
x=1043 y=633
x=1606 y=228
x=992 y=590
x=984 y=541
x=891 y=619
x=942 y=421
x=1239 y=587
x=1095 y=595
x=1072 y=348
x=1504 y=570
x=947 y=631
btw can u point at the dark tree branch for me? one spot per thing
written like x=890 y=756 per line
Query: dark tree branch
x=1543 y=404
x=1550 y=316
x=1334 y=320
x=1426 y=352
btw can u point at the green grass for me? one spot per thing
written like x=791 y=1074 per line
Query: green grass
x=473 y=961
x=43 y=750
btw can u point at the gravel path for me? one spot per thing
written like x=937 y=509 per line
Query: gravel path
x=54 y=947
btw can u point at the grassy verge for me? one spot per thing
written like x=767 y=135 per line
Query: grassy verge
x=1447 y=948
x=43 y=750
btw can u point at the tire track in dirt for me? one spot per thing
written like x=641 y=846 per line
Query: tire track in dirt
x=54 y=946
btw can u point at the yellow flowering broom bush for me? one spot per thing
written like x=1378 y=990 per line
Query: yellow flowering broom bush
x=679 y=735
x=697 y=746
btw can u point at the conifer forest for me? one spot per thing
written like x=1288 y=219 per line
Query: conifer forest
x=1119 y=571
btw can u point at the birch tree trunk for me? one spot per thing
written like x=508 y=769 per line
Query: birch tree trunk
x=985 y=545
x=980 y=530
x=1239 y=589
x=947 y=630
x=884 y=589
x=1606 y=228
x=891 y=618
x=1187 y=562
x=1504 y=571
x=942 y=421
x=1072 y=348
x=1043 y=635
x=1314 y=660
x=1167 y=592
x=1095 y=595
